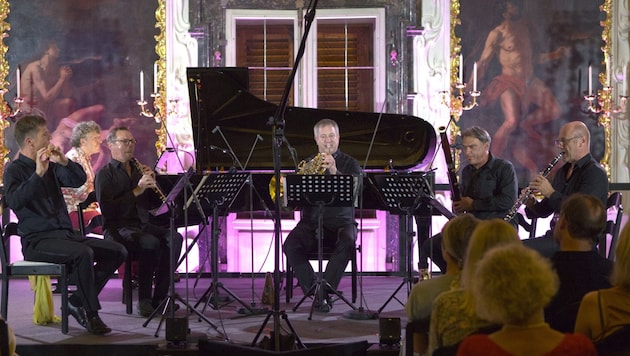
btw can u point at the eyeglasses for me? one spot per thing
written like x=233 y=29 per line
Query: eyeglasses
x=127 y=142
x=561 y=142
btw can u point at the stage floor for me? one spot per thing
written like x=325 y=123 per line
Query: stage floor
x=229 y=323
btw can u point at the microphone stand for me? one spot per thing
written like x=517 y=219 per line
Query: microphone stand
x=278 y=124
x=361 y=313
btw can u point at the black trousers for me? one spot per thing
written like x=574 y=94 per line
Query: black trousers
x=91 y=261
x=151 y=246
x=302 y=241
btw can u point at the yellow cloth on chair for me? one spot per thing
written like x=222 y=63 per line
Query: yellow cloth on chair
x=43 y=308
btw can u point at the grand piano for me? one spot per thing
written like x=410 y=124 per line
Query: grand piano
x=226 y=115
x=219 y=98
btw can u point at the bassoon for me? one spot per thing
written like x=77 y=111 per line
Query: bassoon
x=450 y=164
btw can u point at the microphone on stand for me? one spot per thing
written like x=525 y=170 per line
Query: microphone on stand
x=229 y=148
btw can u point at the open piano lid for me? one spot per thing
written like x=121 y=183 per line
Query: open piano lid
x=220 y=97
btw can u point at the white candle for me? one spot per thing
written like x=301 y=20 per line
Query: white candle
x=461 y=69
x=590 y=80
x=141 y=86
x=475 y=76
x=18 y=78
x=155 y=77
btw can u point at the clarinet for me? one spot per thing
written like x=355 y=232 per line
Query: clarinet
x=157 y=190
x=525 y=194
x=452 y=173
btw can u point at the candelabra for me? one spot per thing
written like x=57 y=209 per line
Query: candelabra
x=603 y=103
x=146 y=112
x=459 y=101
x=18 y=106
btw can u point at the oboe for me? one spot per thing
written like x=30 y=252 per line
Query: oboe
x=156 y=188
x=525 y=194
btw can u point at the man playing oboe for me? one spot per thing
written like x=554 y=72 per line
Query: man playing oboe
x=121 y=188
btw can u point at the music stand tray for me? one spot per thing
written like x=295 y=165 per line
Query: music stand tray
x=172 y=195
x=219 y=190
x=405 y=194
x=301 y=190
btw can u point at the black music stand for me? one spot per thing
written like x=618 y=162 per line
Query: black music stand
x=318 y=191
x=168 y=303
x=219 y=190
x=403 y=194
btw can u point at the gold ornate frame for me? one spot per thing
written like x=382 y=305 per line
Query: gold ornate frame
x=159 y=101
x=456 y=49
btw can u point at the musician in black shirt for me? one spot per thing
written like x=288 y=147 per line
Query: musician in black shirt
x=580 y=174
x=340 y=228
x=121 y=189
x=488 y=187
x=33 y=184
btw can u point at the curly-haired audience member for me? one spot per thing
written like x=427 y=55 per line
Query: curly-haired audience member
x=453 y=316
x=512 y=286
x=606 y=311
x=455 y=236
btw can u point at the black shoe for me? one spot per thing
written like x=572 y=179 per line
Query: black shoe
x=145 y=308
x=96 y=326
x=78 y=313
x=323 y=306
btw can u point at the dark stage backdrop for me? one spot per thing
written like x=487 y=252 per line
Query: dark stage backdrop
x=99 y=47
x=541 y=50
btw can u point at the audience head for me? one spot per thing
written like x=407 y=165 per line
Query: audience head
x=487 y=234
x=87 y=136
x=455 y=236
x=582 y=217
x=512 y=284
x=621 y=269
x=26 y=131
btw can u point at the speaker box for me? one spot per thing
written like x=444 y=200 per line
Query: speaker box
x=389 y=331
x=176 y=329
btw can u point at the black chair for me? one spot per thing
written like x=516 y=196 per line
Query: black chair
x=416 y=329
x=30 y=268
x=615 y=343
x=95 y=222
x=527 y=226
x=4 y=338
x=313 y=257
x=613 y=205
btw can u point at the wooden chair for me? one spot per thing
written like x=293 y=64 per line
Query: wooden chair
x=30 y=268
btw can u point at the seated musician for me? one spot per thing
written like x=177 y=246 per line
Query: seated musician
x=340 y=228
x=32 y=190
x=85 y=141
x=488 y=188
x=122 y=188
